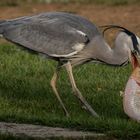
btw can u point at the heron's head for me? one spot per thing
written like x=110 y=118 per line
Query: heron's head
x=132 y=44
x=135 y=51
x=131 y=41
x=135 y=59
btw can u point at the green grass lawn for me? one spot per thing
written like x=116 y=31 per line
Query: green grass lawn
x=26 y=95
x=106 y=2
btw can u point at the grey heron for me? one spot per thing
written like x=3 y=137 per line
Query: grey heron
x=71 y=40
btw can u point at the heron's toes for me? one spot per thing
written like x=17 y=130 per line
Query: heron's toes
x=84 y=107
x=67 y=115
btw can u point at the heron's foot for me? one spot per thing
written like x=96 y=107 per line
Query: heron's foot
x=67 y=114
x=84 y=107
x=93 y=113
x=121 y=93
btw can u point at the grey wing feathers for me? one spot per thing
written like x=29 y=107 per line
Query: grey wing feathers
x=2 y=24
x=43 y=39
x=51 y=34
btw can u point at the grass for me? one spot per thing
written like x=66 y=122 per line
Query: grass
x=106 y=2
x=26 y=95
x=11 y=137
x=22 y=137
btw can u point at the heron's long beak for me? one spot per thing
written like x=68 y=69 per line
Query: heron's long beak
x=135 y=62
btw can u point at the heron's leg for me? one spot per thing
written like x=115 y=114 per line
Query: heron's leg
x=77 y=92
x=53 y=85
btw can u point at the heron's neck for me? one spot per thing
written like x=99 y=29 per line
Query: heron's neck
x=116 y=55
x=119 y=54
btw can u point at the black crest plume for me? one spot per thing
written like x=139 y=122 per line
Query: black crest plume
x=131 y=34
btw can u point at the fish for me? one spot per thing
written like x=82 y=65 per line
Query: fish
x=131 y=97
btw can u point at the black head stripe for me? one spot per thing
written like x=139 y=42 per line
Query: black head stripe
x=134 y=40
x=132 y=35
x=107 y=27
x=135 y=43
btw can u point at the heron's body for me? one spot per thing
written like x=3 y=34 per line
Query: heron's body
x=60 y=36
x=57 y=35
x=67 y=38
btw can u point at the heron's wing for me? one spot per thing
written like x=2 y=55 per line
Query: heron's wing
x=52 y=37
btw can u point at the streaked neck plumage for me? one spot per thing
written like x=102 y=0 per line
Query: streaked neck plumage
x=117 y=55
